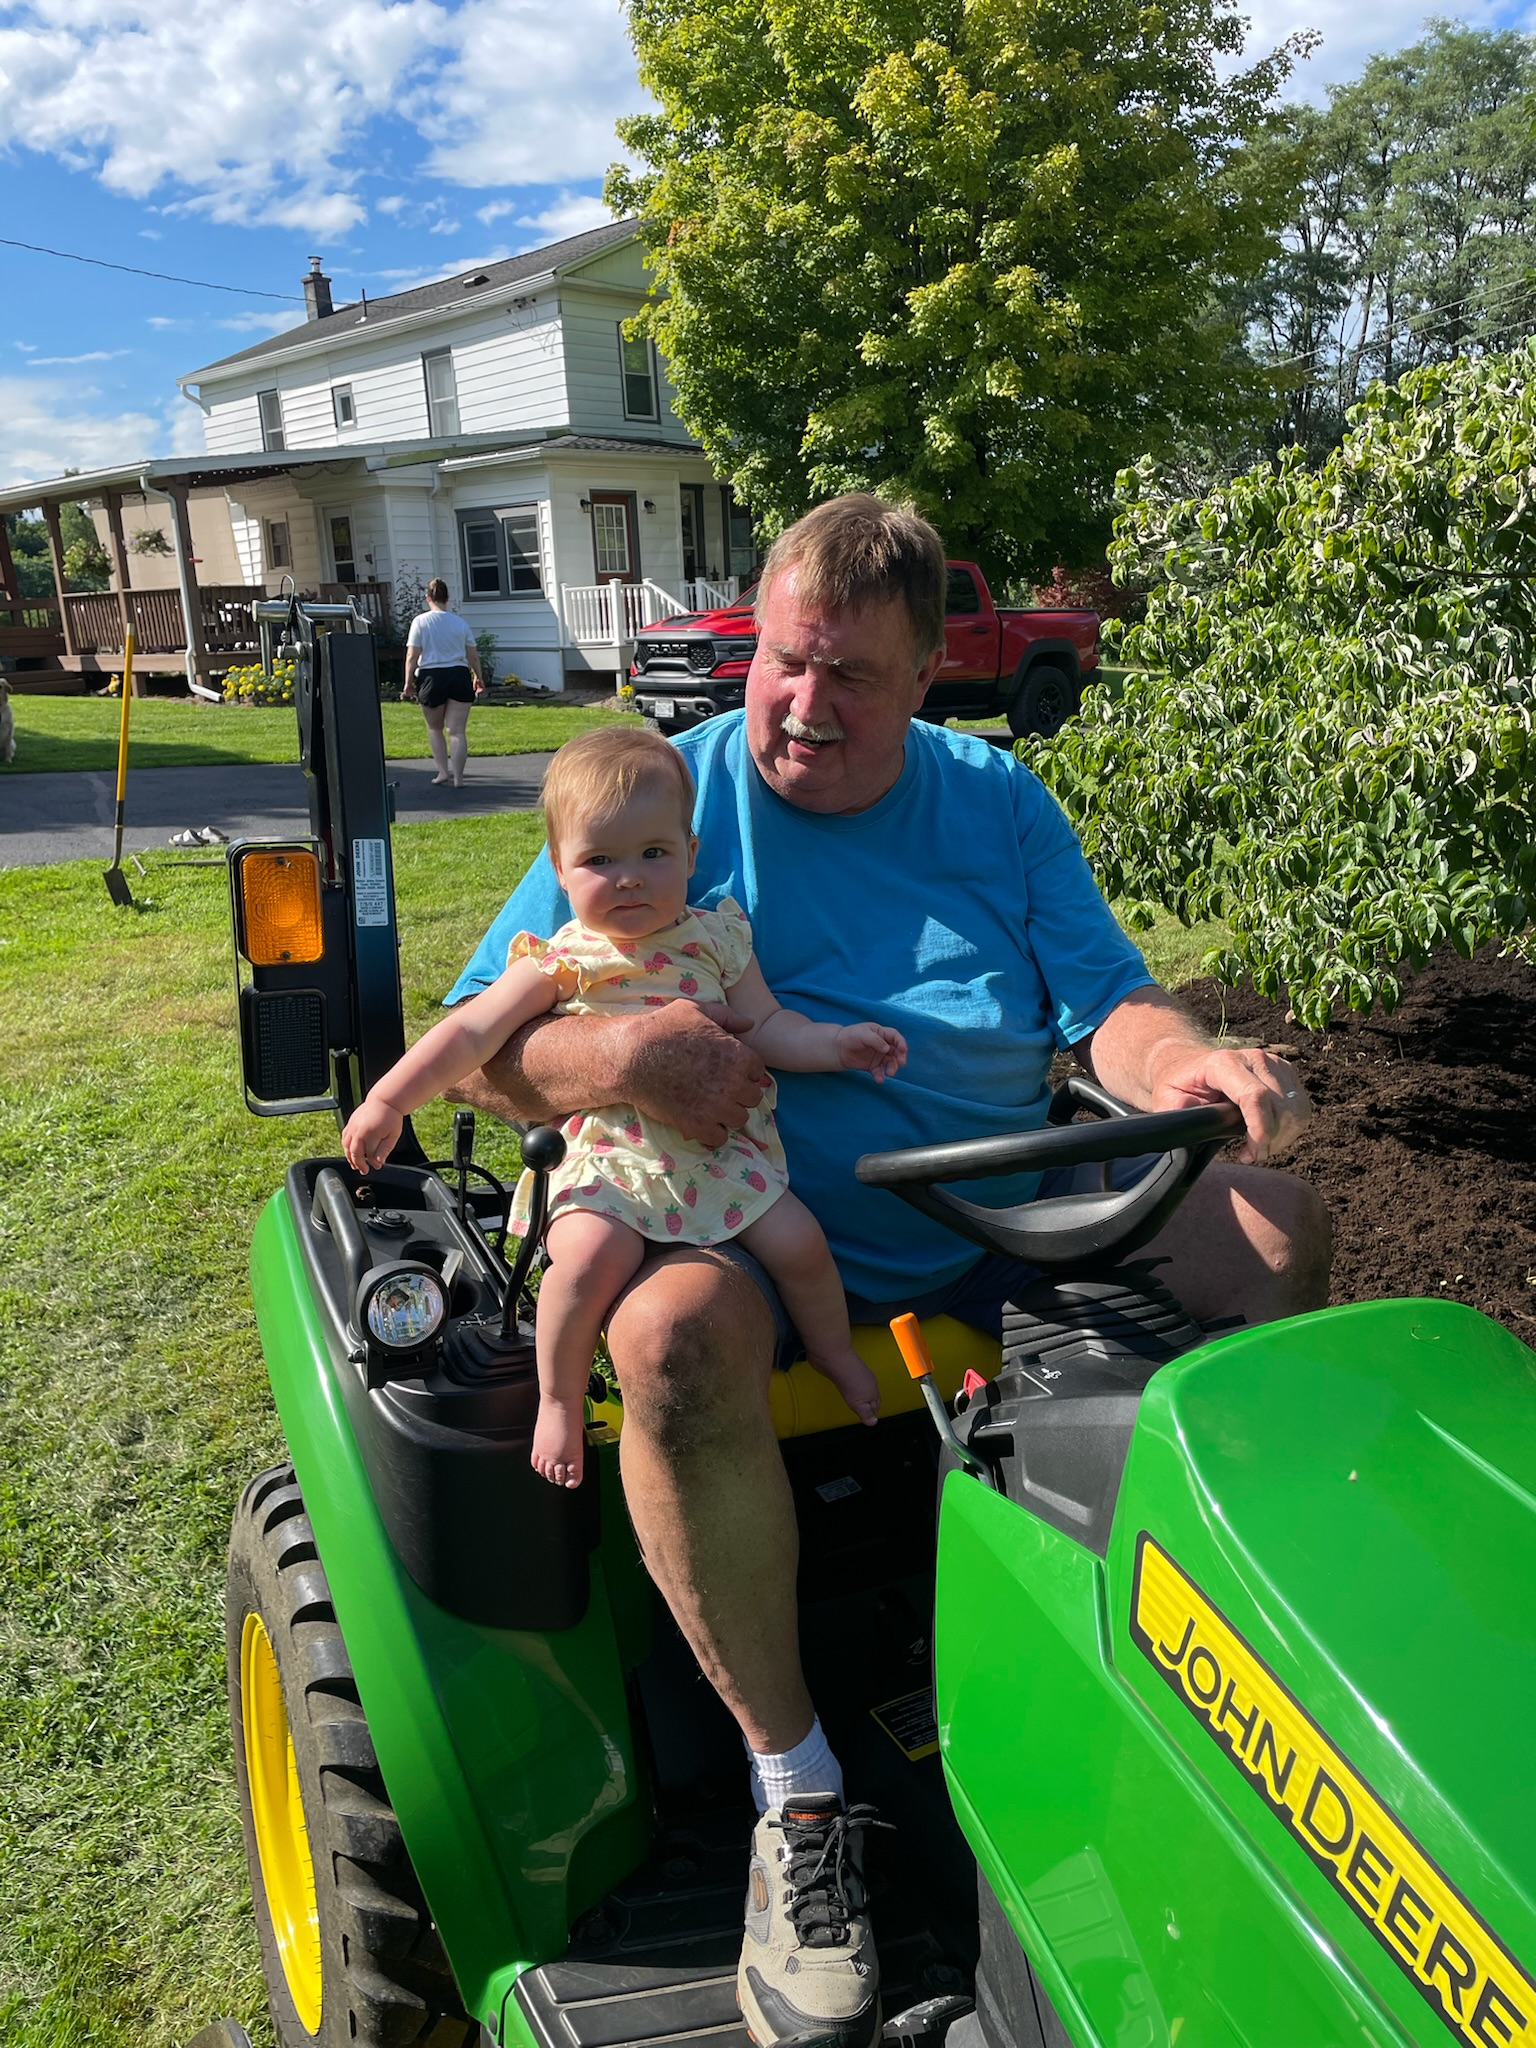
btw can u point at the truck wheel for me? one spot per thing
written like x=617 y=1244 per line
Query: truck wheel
x=1044 y=701
x=350 y=1953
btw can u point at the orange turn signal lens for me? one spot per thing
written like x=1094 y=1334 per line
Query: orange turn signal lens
x=913 y=1346
x=280 y=919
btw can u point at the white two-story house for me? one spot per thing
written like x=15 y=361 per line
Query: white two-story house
x=497 y=429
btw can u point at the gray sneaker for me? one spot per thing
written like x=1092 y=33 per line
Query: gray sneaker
x=808 y=1976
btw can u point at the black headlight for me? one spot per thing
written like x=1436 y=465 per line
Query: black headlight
x=401 y=1310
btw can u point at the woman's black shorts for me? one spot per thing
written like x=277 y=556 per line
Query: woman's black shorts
x=436 y=686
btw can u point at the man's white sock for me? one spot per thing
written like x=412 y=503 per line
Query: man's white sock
x=808 y=1768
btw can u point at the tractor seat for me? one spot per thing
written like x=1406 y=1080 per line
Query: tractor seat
x=805 y=1404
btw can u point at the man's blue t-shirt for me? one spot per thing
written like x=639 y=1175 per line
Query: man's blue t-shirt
x=959 y=909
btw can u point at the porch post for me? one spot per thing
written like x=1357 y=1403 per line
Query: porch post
x=56 y=554
x=119 y=554
x=9 y=587
x=186 y=578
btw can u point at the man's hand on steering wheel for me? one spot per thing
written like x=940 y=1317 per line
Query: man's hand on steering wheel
x=1266 y=1088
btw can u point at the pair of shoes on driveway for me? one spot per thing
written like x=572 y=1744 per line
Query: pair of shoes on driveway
x=808 y=1976
x=199 y=835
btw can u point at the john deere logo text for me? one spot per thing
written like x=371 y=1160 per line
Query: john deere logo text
x=1415 y=1912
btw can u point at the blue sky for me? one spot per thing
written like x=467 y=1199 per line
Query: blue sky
x=396 y=139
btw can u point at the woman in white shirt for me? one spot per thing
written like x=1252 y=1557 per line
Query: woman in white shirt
x=442 y=673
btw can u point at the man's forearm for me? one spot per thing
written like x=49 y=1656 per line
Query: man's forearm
x=1136 y=1036
x=550 y=1069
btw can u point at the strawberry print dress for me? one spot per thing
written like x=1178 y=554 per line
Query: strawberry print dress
x=629 y=1166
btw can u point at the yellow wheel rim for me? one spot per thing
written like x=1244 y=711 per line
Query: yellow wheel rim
x=277 y=1815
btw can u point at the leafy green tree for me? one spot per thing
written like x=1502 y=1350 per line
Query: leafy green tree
x=1413 y=236
x=964 y=252
x=1328 y=736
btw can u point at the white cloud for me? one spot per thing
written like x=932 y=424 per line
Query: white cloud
x=1350 y=33
x=162 y=320
x=532 y=93
x=95 y=355
x=497 y=207
x=46 y=427
x=262 y=323
x=26 y=347
x=249 y=140
x=570 y=214
x=392 y=202
x=443 y=227
x=151 y=235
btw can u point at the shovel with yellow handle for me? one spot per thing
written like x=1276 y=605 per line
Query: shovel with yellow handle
x=115 y=879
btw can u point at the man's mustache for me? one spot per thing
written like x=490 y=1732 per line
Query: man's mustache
x=796 y=729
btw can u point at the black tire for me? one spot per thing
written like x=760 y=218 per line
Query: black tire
x=384 y=1979
x=1043 y=702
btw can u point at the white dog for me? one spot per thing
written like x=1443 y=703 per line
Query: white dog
x=7 y=723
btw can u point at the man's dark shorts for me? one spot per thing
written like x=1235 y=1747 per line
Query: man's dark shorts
x=976 y=1297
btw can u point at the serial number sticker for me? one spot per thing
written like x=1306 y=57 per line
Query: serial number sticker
x=1439 y=1942
x=370 y=882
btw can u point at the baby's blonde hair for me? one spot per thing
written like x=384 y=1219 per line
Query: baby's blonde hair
x=598 y=773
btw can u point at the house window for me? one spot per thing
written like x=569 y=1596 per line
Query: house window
x=342 y=405
x=442 y=393
x=480 y=543
x=520 y=533
x=693 y=531
x=343 y=553
x=271 y=408
x=279 y=548
x=637 y=366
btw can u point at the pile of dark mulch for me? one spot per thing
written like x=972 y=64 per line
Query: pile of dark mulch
x=1424 y=1138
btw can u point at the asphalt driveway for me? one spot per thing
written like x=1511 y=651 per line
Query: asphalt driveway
x=69 y=816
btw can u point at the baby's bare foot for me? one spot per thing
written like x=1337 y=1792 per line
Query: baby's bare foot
x=854 y=1380
x=559 y=1438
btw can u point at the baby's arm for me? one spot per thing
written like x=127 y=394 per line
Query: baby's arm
x=463 y=1041
x=783 y=1038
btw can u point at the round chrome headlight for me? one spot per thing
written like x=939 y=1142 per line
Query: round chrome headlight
x=402 y=1308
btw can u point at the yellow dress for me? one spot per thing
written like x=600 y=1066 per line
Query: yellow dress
x=629 y=1166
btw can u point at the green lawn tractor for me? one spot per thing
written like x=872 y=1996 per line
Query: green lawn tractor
x=1196 y=1673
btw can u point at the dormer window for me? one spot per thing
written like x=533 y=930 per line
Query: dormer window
x=343 y=406
x=637 y=369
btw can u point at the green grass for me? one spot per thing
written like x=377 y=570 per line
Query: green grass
x=81 y=732
x=133 y=1408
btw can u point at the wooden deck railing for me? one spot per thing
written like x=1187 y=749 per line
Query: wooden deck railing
x=32 y=628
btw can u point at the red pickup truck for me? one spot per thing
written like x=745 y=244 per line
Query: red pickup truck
x=1028 y=666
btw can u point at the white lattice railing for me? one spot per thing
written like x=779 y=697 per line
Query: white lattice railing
x=603 y=614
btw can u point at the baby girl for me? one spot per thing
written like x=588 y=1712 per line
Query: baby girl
x=618 y=808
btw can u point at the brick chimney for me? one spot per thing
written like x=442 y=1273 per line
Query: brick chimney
x=317 y=292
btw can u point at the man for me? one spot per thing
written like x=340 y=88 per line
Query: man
x=897 y=871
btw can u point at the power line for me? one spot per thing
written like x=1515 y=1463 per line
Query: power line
x=1404 y=326
x=164 y=276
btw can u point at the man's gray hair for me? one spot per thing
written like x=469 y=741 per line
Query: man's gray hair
x=857 y=550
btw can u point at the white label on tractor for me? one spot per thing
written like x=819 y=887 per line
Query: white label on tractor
x=370 y=882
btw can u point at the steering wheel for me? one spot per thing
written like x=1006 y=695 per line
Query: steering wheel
x=1060 y=1232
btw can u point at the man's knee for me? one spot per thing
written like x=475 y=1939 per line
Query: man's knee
x=1287 y=1223
x=692 y=1344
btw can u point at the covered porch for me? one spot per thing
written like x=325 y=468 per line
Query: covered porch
x=190 y=629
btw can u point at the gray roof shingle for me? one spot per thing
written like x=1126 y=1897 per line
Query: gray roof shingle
x=447 y=291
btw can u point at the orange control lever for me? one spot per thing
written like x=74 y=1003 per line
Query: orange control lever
x=912 y=1345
